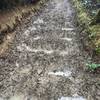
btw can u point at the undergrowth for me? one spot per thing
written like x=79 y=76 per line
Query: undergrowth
x=85 y=20
x=91 y=28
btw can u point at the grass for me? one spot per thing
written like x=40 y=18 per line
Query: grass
x=95 y=37
x=82 y=14
x=93 y=66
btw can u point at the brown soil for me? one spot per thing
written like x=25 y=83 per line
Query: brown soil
x=10 y=19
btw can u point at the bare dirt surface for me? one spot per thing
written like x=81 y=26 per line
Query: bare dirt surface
x=45 y=61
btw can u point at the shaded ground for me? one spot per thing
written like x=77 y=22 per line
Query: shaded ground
x=46 y=60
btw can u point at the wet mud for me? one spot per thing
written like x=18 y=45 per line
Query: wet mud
x=45 y=61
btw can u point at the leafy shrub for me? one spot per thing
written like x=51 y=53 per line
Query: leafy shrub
x=4 y=4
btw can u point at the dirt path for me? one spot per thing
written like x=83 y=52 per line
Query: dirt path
x=45 y=61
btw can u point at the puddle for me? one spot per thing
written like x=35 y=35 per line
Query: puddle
x=68 y=39
x=68 y=29
x=72 y=98
x=59 y=73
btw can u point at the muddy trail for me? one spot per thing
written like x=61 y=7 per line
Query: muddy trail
x=45 y=61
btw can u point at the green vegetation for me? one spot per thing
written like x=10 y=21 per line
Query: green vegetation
x=93 y=66
x=88 y=13
x=5 y=4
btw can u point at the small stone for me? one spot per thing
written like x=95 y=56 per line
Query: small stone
x=39 y=71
